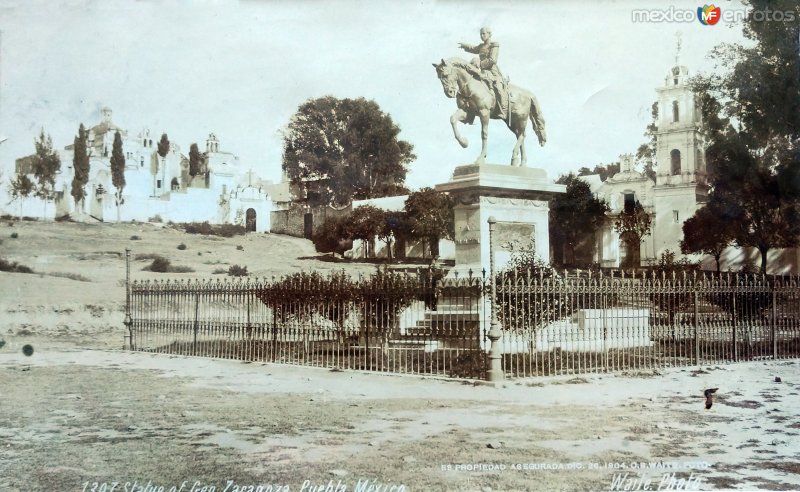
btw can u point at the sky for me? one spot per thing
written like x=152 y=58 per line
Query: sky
x=241 y=69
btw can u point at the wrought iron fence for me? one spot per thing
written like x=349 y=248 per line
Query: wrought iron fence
x=561 y=324
x=389 y=322
x=425 y=324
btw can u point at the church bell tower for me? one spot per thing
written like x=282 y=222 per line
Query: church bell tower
x=680 y=156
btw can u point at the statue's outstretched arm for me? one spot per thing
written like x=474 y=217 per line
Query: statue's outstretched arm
x=468 y=47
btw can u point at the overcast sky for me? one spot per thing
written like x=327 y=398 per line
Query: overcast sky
x=241 y=69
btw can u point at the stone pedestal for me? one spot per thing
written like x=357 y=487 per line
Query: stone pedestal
x=517 y=197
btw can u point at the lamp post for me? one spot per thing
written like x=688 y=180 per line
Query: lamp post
x=495 y=372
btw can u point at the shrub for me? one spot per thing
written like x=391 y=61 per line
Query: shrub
x=331 y=236
x=181 y=246
x=237 y=271
x=224 y=230
x=180 y=269
x=71 y=276
x=30 y=219
x=219 y=271
x=199 y=253
x=528 y=294
x=745 y=296
x=14 y=235
x=135 y=238
x=667 y=274
x=64 y=218
x=240 y=247
x=156 y=218
x=12 y=266
x=160 y=264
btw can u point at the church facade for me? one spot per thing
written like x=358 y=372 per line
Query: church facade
x=679 y=190
x=155 y=188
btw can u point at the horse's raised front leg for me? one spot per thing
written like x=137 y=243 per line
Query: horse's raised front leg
x=460 y=116
x=484 y=115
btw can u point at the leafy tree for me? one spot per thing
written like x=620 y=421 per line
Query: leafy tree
x=45 y=164
x=751 y=119
x=632 y=224
x=430 y=217
x=646 y=153
x=195 y=159
x=20 y=188
x=163 y=146
x=365 y=223
x=338 y=150
x=80 y=166
x=161 y=150
x=118 y=169
x=575 y=214
x=708 y=231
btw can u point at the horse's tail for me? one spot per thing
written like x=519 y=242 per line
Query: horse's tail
x=537 y=120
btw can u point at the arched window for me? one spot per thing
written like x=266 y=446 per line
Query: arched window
x=675 y=158
x=675 y=114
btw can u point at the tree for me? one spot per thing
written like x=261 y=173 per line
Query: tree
x=751 y=119
x=709 y=231
x=430 y=217
x=118 y=169
x=632 y=224
x=338 y=150
x=161 y=150
x=365 y=223
x=21 y=188
x=80 y=166
x=646 y=153
x=45 y=165
x=195 y=159
x=575 y=214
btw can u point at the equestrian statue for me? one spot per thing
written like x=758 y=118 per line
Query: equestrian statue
x=480 y=90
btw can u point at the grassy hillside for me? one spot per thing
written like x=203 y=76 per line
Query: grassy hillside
x=77 y=292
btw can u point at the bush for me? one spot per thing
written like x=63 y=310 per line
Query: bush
x=181 y=246
x=156 y=218
x=223 y=230
x=240 y=247
x=160 y=264
x=30 y=219
x=219 y=271
x=71 y=276
x=64 y=218
x=12 y=266
x=330 y=237
x=527 y=294
x=14 y=235
x=237 y=271
x=135 y=238
x=163 y=265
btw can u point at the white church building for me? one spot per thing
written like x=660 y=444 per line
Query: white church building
x=155 y=188
x=680 y=189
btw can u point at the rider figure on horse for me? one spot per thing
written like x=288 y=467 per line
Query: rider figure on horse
x=487 y=68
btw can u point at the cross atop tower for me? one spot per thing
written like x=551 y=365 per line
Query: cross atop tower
x=678 y=43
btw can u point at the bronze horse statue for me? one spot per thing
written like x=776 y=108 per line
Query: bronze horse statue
x=475 y=98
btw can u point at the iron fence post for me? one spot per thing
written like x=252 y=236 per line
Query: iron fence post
x=128 y=320
x=495 y=372
x=773 y=324
x=696 y=327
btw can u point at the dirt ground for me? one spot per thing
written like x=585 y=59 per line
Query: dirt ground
x=81 y=414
